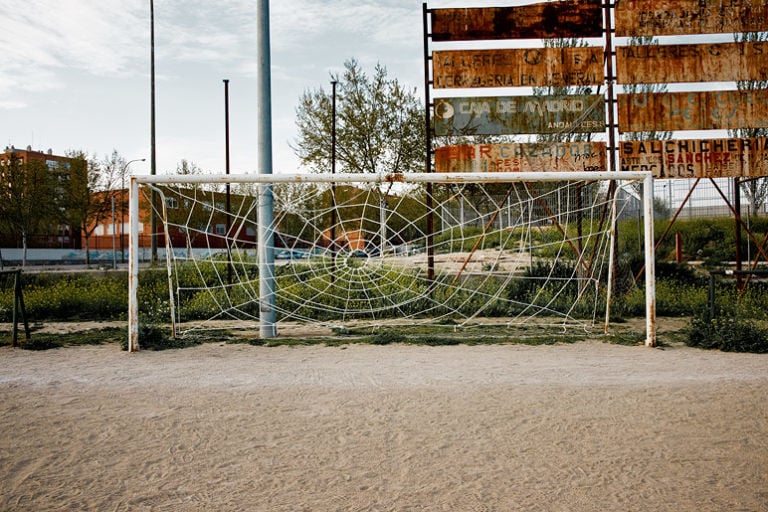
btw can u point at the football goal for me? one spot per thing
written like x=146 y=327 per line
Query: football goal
x=454 y=251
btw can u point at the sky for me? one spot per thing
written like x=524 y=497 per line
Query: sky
x=75 y=74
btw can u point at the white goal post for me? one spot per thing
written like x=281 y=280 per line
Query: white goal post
x=378 y=256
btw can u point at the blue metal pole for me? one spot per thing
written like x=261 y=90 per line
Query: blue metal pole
x=267 y=313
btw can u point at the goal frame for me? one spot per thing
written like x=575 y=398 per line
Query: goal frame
x=266 y=260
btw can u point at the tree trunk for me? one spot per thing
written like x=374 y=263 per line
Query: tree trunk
x=24 y=245
x=87 y=251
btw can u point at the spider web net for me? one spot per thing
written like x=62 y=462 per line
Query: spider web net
x=357 y=254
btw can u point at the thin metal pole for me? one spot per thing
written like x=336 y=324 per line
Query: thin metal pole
x=153 y=153
x=611 y=264
x=609 y=88
x=114 y=235
x=428 y=141
x=267 y=313
x=737 y=216
x=612 y=127
x=333 y=185
x=122 y=214
x=226 y=171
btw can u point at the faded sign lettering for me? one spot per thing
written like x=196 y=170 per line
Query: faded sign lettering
x=530 y=157
x=702 y=110
x=528 y=67
x=700 y=158
x=719 y=62
x=519 y=114
x=566 y=18
x=687 y=17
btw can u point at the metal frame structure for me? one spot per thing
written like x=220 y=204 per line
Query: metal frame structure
x=265 y=180
x=19 y=311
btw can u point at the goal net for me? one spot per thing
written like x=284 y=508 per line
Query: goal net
x=451 y=251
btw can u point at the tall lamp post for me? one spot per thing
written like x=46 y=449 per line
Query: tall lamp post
x=153 y=153
x=333 y=171
x=122 y=204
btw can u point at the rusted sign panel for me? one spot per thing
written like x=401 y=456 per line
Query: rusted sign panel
x=513 y=157
x=700 y=158
x=686 y=17
x=718 y=62
x=702 y=110
x=570 y=18
x=529 y=67
x=519 y=114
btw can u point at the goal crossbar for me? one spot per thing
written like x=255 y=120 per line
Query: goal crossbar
x=392 y=178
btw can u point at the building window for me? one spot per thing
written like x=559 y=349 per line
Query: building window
x=221 y=229
x=171 y=203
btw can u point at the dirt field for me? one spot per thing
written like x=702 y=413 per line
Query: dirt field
x=584 y=427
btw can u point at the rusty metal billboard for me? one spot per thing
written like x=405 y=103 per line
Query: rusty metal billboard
x=688 y=17
x=528 y=157
x=506 y=115
x=569 y=18
x=528 y=67
x=697 y=158
x=701 y=110
x=715 y=62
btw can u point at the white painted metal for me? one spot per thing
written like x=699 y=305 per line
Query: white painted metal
x=464 y=177
x=611 y=263
x=650 y=265
x=133 y=267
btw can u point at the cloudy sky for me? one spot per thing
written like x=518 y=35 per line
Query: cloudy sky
x=74 y=74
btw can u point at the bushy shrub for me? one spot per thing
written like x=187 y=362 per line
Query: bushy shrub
x=70 y=297
x=729 y=334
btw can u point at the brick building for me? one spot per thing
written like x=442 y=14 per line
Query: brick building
x=53 y=232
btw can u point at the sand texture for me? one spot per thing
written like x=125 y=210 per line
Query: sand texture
x=584 y=427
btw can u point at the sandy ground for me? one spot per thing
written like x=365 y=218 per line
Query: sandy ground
x=585 y=427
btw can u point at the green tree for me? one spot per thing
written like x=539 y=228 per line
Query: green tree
x=379 y=124
x=27 y=200
x=86 y=191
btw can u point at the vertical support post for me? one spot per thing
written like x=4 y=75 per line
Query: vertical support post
x=612 y=127
x=15 y=319
x=267 y=314
x=382 y=224
x=428 y=160
x=228 y=186
x=650 y=264
x=169 y=265
x=18 y=308
x=737 y=215
x=114 y=235
x=133 y=266
x=332 y=241
x=611 y=264
x=153 y=152
x=609 y=87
